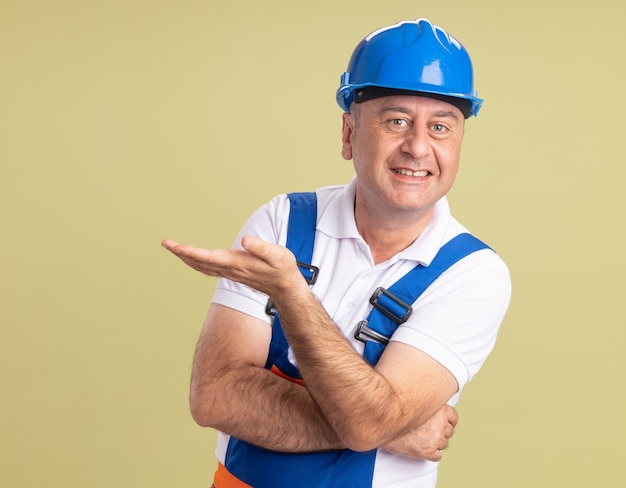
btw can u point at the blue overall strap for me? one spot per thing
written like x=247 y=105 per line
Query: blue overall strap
x=393 y=306
x=300 y=241
x=260 y=468
x=302 y=222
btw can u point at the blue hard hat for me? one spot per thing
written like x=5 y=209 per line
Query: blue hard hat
x=413 y=56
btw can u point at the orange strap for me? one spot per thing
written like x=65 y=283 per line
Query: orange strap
x=277 y=371
x=224 y=479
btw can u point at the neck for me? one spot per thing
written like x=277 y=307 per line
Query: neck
x=387 y=235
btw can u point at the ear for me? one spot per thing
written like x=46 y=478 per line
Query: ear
x=347 y=134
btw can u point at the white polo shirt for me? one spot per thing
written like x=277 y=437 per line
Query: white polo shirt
x=455 y=320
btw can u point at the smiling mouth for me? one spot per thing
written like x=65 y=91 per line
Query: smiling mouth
x=407 y=172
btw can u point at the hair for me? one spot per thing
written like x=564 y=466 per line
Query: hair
x=355 y=112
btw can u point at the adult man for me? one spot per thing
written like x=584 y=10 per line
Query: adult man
x=317 y=414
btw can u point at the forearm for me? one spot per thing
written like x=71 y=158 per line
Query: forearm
x=255 y=405
x=357 y=401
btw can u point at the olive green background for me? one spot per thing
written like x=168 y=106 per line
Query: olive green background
x=126 y=122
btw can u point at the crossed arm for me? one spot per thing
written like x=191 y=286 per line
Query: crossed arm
x=398 y=405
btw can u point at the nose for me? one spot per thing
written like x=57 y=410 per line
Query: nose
x=416 y=143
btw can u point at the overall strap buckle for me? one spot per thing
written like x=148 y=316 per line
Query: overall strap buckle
x=390 y=305
x=364 y=333
x=310 y=274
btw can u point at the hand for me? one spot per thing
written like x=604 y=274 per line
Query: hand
x=268 y=268
x=429 y=440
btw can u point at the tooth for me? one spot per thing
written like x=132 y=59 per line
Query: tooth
x=412 y=173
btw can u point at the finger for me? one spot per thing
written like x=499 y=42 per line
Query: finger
x=169 y=244
x=436 y=456
x=453 y=416
x=257 y=247
x=180 y=249
x=230 y=263
x=197 y=255
x=252 y=244
x=274 y=255
x=211 y=262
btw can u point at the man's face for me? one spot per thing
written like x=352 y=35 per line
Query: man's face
x=405 y=150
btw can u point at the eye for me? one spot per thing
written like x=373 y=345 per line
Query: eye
x=439 y=128
x=398 y=123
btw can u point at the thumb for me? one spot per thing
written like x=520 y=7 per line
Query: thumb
x=273 y=254
x=257 y=247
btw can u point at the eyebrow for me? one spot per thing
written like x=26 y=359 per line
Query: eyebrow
x=447 y=113
x=440 y=113
x=384 y=110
